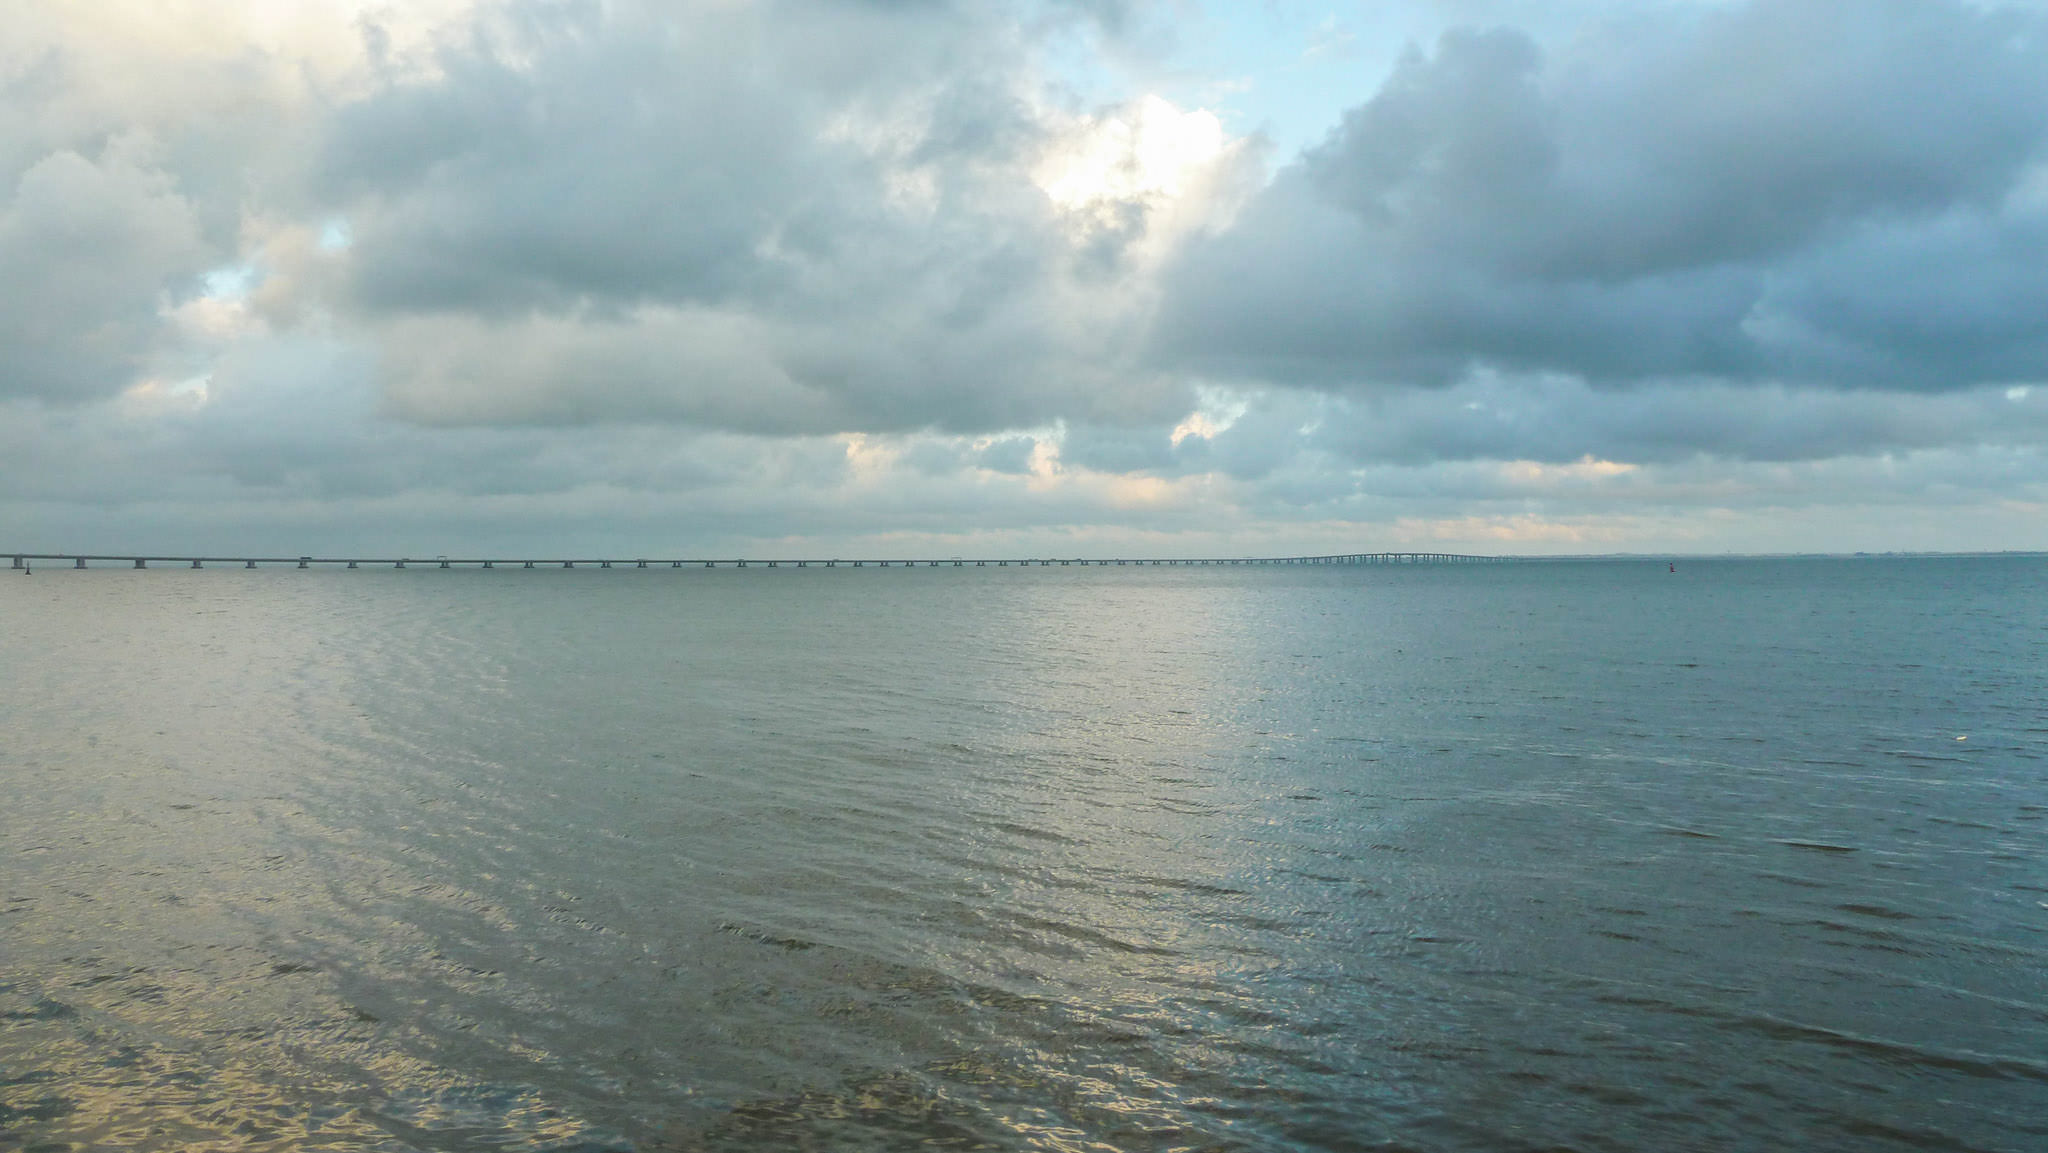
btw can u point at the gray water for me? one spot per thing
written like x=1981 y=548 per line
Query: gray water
x=1572 y=855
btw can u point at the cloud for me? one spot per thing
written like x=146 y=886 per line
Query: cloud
x=800 y=275
x=93 y=248
x=1775 y=190
x=797 y=217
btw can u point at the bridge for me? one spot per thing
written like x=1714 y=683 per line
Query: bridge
x=26 y=561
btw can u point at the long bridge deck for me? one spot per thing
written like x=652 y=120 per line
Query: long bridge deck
x=27 y=561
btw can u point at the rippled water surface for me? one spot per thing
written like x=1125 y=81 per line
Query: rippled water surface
x=1569 y=855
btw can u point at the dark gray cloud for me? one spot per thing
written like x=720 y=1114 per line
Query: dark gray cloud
x=1558 y=420
x=1781 y=189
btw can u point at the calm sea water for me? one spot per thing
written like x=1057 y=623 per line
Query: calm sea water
x=1570 y=855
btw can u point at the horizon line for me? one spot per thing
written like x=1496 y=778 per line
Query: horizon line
x=140 y=560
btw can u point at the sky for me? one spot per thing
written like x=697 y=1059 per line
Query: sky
x=1050 y=277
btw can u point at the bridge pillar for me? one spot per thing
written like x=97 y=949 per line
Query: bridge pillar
x=196 y=564
x=739 y=564
x=639 y=564
x=80 y=564
x=139 y=563
x=245 y=564
x=529 y=564
x=400 y=564
x=17 y=562
x=831 y=564
x=487 y=564
x=675 y=564
x=351 y=564
x=711 y=564
x=568 y=564
x=305 y=562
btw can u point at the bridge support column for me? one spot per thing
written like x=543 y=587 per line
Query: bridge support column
x=639 y=564
x=568 y=564
x=80 y=564
x=444 y=564
x=196 y=564
x=604 y=564
x=140 y=563
x=245 y=564
x=487 y=564
x=529 y=564
x=351 y=564
x=17 y=562
x=305 y=562
x=400 y=564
